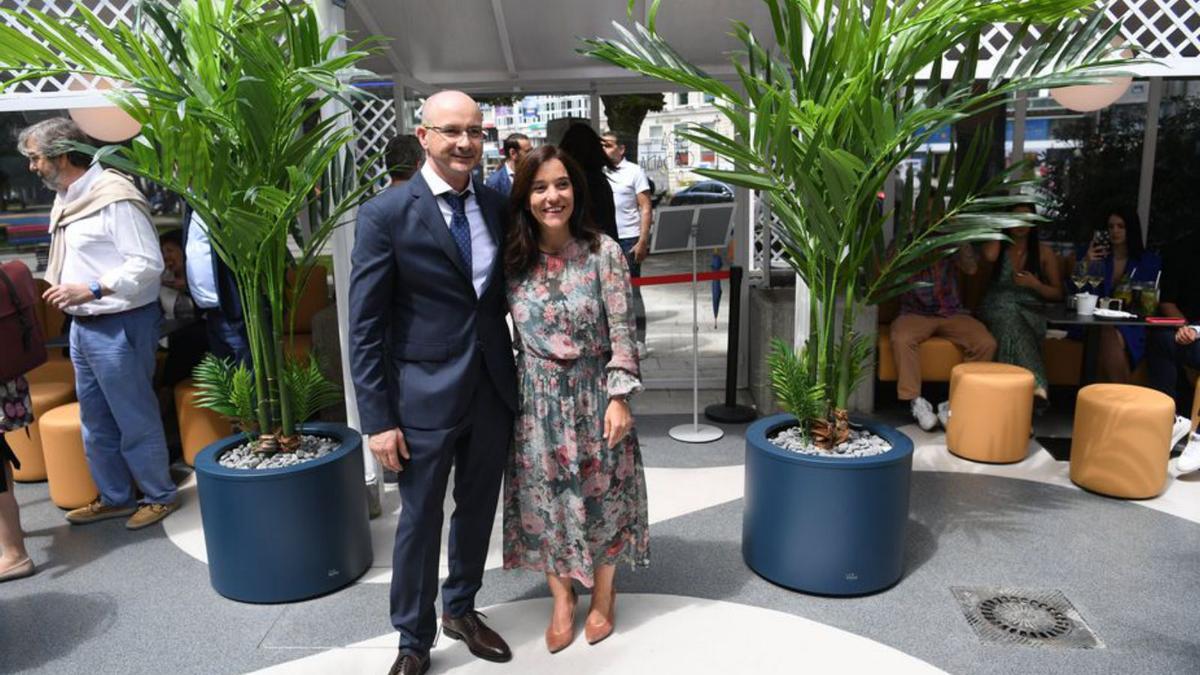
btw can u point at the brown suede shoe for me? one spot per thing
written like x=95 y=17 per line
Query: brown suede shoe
x=149 y=514
x=408 y=663
x=481 y=640
x=97 y=511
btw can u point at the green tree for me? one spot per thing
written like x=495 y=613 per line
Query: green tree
x=625 y=113
x=833 y=108
x=229 y=96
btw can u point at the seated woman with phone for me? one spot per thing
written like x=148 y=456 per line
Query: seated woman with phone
x=1118 y=249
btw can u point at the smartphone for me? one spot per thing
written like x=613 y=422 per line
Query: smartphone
x=1103 y=239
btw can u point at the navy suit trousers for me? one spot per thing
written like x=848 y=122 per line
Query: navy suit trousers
x=477 y=449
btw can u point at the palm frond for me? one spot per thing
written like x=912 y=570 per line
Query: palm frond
x=308 y=388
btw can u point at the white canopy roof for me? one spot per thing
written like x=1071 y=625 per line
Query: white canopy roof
x=529 y=46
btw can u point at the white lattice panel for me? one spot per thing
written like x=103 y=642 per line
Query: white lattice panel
x=1166 y=30
x=110 y=12
x=764 y=218
x=374 y=124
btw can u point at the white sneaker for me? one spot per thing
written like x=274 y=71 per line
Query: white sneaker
x=1190 y=459
x=642 y=350
x=943 y=414
x=1180 y=429
x=922 y=412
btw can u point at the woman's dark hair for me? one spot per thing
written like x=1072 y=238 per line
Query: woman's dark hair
x=1033 y=247
x=171 y=237
x=1133 y=230
x=582 y=143
x=521 y=246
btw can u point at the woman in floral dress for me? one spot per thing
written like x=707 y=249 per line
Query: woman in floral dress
x=575 y=492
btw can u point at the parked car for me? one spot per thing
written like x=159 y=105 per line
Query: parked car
x=704 y=192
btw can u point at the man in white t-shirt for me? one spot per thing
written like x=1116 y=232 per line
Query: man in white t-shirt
x=631 y=196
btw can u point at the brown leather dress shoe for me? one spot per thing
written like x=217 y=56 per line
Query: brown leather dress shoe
x=408 y=663
x=598 y=626
x=556 y=641
x=481 y=640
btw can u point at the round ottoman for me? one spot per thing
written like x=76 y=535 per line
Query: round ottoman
x=67 y=471
x=1119 y=443
x=46 y=396
x=198 y=427
x=991 y=412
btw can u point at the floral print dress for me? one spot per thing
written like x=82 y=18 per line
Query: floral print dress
x=571 y=503
x=16 y=411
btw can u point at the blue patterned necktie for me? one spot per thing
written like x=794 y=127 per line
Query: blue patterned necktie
x=460 y=227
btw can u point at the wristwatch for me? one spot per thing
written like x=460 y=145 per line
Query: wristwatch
x=94 y=287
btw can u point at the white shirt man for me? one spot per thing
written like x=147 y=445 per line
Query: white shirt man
x=117 y=247
x=628 y=182
x=105 y=269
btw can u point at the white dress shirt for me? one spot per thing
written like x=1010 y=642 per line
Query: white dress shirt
x=199 y=265
x=483 y=249
x=628 y=181
x=117 y=246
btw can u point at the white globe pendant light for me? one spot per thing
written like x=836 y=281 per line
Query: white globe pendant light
x=1091 y=97
x=107 y=123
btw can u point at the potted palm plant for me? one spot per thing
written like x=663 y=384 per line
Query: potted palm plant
x=841 y=95
x=229 y=96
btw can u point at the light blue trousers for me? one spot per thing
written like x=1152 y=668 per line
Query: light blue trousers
x=123 y=435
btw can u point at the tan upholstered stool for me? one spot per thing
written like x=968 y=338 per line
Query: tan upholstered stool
x=71 y=484
x=53 y=370
x=1119 y=444
x=991 y=412
x=198 y=427
x=28 y=448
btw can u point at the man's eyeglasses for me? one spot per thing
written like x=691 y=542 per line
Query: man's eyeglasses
x=456 y=133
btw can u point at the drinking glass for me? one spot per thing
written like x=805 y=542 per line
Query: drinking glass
x=1148 y=301
x=1079 y=275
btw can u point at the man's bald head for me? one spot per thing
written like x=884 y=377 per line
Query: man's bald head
x=450 y=102
x=451 y=132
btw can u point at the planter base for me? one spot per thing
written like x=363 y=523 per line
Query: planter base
x=282 y=535
x=828 y=526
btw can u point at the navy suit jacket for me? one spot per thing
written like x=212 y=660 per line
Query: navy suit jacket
x=420 y=338
x=499 y=181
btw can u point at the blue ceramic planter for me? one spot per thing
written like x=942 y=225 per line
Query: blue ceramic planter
x=282 y=535
x=825 y=525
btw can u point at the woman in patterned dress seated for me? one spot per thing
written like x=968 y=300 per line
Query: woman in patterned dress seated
x=575 y=492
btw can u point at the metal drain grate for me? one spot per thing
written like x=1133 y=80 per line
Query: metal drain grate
x=1024 y=617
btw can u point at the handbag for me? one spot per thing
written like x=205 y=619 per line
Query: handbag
x=22 y=341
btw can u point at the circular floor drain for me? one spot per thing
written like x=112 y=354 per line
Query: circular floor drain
x=1024 y=616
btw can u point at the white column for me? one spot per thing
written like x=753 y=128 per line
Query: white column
x=333 y=21
x=1149 y=147
x=802 y=323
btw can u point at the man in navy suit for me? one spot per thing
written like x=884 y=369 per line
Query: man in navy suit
x=516 y=146
x=431 y=358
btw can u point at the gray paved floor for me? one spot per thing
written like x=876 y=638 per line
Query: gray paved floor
x=110 y=601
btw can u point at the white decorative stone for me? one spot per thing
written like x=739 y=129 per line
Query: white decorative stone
x=862 y=443
x=311 y=448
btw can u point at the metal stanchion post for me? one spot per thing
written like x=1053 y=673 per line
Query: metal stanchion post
x=730 y=412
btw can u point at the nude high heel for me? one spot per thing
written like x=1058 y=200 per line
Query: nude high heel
x=556 y=641
x=596 y=630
